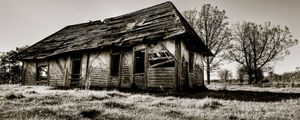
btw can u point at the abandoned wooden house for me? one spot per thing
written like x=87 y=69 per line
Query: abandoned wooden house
x=150 y=48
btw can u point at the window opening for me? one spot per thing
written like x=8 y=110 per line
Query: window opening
x=139 y=61
x=115 y=63
x=161 y=59
x=43 y=72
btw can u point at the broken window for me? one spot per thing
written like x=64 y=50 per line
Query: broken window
x=115 y=63
x=139 y=61
x=191 y=62
x=161 y=59
x=43 y=72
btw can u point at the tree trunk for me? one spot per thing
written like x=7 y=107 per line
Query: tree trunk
x=250 y=76
x=208 y=70
x=255 y=76
x=241 y=78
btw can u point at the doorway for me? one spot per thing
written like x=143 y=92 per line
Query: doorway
x=139 y=68
x=76 y=70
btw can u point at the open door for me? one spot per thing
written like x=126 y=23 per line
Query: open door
x=139 y=68
x=76 y=71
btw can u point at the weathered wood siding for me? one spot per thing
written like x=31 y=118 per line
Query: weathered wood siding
x=126 y=69
x=84 y=63
x=161 y=77
x=29 y=72
x=198 y=70
x=59 y=71
x=99 y=68
x=184 y=77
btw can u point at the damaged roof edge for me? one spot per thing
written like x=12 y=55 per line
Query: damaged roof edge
x=190 y=30
x=91 y=30
x=15 y=56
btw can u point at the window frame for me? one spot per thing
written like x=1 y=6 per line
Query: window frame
x=115 y=70
x=39 y=77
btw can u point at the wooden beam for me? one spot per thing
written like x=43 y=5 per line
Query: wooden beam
x=133 y=66
x=170 y=52
x=161 y=63
x=177 y=65
x=110 y=68
x=145 y=68
x=87 y=69
x=48 y=72
x=120 y=69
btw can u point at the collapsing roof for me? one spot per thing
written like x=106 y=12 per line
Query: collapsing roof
x=161 y=21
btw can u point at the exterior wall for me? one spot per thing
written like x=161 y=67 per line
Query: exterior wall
x=126 y=69
x=195 y=77
x=95 y=69
x=59 y=71
x=184 y=77
x=99 y=69
x=162 y=77
x=84 y=64
x=198 y=70
x=29 y=70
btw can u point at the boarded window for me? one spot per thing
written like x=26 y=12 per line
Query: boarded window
x=161 y=59
x=191 y=62
x=139 y=61
x=115 y=63
x=43 y=72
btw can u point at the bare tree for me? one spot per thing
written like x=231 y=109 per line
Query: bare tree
x=210 y=24
x=256 y=46
x=225 y=75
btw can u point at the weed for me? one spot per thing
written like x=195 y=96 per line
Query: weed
x=93 y=97
x=174 y=113
x=90 y=113
x=212 y=105
x=161 y=104
x=41 y=112
x=32 y=92
x=12 y=96
x=116 y=95
x=50 y=102
x=233 y=117
x=116 y=105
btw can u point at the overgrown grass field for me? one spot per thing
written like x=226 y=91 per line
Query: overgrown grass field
x=219 y=102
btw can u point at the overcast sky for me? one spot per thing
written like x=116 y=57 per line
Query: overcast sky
x=25 y=22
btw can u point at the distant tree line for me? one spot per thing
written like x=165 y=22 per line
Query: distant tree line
x=253 y=46
x=10 y=69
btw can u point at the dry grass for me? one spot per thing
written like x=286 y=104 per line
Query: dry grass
x=40 y=102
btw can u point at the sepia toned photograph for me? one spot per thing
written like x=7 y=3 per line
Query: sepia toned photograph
x=149 y=60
